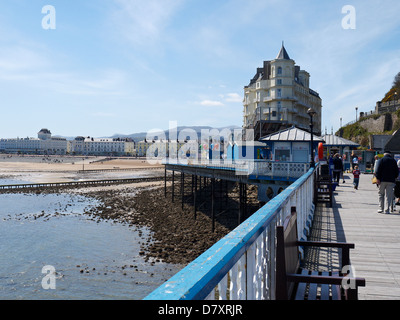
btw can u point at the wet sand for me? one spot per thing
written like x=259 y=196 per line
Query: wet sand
x=40 y=169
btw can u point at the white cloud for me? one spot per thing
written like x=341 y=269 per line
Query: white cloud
x=143 y=22
x=233 y=97
x=103 y=114
x=211 y=103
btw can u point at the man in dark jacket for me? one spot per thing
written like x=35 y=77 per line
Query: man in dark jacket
x=337 y=168
x=386 y=174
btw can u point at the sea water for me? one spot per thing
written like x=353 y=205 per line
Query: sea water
x=91 y=258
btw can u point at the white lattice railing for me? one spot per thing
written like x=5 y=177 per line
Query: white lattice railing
x=256 y=168
x=278 y=169
x=241 y=266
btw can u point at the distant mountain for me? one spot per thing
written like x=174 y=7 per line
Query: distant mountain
x=142 y=135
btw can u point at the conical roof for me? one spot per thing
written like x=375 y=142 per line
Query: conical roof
x=283 y=54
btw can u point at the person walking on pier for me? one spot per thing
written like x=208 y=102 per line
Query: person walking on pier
x=356 y=177
x=397 y=186
x=386 y=175
x=354 y=161
x=337 y=168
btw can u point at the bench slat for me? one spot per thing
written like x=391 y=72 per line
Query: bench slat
x=302 y=286
x=325 y=288
x=336 y=289
x=313 y=287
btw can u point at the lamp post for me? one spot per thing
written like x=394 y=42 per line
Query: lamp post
x=311 y=113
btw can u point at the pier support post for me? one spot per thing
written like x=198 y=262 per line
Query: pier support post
x=242 y=201
x=212 y=204
x=165 y=181
x=182 y=186
x=173 y=185
x=194 y=197
x=226 y=193
x=220 y=194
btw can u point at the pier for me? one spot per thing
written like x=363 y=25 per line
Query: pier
x=270 y=177
x=241 y=266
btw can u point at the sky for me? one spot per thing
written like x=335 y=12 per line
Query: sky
x=104 y=67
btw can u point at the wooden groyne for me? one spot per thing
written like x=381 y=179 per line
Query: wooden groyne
x=76 y=183
x=118 y=169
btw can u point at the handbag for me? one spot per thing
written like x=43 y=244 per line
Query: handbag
x=374 y=180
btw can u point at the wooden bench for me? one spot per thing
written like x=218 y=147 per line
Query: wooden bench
x=324 y=191
x=323 y=185
x=294 y=282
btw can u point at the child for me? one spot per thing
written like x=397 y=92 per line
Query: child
x=356 y=175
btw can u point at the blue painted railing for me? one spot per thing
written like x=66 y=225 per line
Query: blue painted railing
x=242 y=264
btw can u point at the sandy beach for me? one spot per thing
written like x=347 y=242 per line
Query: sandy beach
x=43 y=169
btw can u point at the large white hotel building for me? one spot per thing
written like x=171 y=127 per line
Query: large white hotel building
x=43 y=144
x=279 y=96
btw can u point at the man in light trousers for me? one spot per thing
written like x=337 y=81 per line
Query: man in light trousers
x=386 y=174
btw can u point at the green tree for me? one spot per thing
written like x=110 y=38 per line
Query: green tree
x=394 y=92
x=396 y=82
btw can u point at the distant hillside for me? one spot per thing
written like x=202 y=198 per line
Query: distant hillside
x=142 y=135
x=375 y=124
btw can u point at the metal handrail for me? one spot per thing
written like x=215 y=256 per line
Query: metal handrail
x=242 y=264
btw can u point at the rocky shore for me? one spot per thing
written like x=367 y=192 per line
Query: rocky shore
x=177 y=236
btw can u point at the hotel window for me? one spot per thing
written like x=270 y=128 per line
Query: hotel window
x=279 y=70
x=279 y=93
x=279 y=81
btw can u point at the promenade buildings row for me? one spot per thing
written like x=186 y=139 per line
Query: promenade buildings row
x=46 y=144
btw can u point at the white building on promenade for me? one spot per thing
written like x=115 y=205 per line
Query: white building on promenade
x=278 y=97
x=102 y=146
x=43 y=144
x=172 y=149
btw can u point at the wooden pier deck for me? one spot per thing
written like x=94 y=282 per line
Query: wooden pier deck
x=354 y=219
